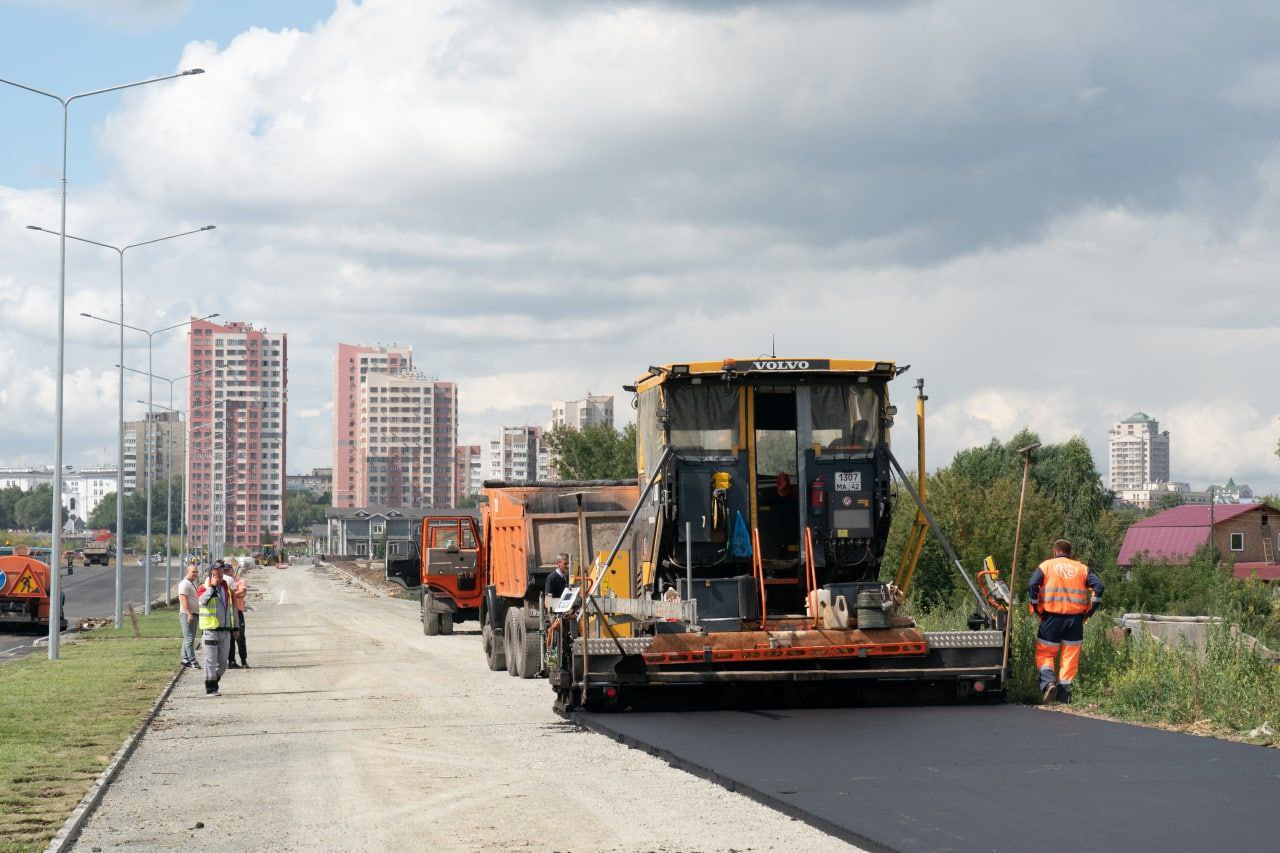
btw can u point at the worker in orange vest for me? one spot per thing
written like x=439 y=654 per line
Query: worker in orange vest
x=1064 y=593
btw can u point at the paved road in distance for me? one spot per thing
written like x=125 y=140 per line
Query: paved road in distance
x=90 y=592
x=959 y=778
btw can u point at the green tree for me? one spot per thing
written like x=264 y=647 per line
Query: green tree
x=975 y=501
x=135 y=509
x=9 y=498
x=302 y=508
x=34 y=510
x=597 y=452
x=1169 y=500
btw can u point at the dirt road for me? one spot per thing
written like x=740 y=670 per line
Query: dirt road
x=353 y=731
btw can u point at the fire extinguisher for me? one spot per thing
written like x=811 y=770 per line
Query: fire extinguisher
x=817 y=495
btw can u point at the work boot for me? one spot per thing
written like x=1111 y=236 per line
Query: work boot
x=233 y=665
x=210 y=687
x=1064 y=693
x=1049 y=694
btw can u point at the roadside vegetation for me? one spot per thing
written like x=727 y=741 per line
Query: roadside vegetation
x=1224 y=689
x=62 y=721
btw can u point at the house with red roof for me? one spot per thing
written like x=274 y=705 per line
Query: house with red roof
x=1246 y=534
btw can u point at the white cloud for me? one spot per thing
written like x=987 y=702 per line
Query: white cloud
x=124 y=14
x=1057 y=214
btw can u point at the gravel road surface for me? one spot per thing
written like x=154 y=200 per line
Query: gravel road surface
x=353 y=731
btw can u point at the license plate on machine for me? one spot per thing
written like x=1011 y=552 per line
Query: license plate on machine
x=848 y=481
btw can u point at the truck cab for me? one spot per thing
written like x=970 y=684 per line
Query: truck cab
x=446 y=563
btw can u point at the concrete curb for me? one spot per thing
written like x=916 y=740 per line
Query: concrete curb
x=360 y=582
x=66 y=837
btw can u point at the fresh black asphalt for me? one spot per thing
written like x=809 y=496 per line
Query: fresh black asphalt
x=90 y=593
x=962 y=778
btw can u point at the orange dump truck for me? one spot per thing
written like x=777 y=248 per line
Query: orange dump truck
x=525 y=526
x=24 y=589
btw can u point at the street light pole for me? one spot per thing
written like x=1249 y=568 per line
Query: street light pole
x=146 y=431
x=168 y=464
x=120 y=251
x=186 y=480
x=55 y=555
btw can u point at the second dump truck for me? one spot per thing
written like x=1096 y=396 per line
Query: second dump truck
x=492 y=569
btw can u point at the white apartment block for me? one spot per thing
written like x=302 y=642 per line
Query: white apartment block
x=519 y=455
x=592 y=409
x=405 y=439
x=165 y=435
x=83 y=488
x=469 y=470
x=1138 y=453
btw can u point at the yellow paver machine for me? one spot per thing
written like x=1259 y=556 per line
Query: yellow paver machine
x=766 y=497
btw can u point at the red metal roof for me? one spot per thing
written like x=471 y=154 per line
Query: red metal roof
x=1262 y=571
x=1195 y=515
x=1176 y=534
x=1172 y=544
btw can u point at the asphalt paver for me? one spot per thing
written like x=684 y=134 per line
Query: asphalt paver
x=962 y=778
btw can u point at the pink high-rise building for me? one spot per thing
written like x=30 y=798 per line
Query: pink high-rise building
x=351 y=366
x=236 y=439
x=406 y=432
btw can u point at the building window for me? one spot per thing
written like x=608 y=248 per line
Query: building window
x=1237 y=541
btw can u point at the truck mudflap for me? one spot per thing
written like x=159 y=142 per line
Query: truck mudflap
x=962 y=658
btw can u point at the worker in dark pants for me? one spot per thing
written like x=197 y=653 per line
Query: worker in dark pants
x=238 y=590
x=1064 y=593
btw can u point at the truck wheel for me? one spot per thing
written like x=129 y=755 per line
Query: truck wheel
x=510 y=636
x=430 y=619
x=446 y=624
x=530 y=651
x=493 y=654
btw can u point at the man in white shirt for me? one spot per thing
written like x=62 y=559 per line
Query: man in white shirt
x=188 y=609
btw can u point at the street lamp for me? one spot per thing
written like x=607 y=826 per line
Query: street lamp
x=55 y=555
x=186 y=481
x=146 y=432
x=168 y=469
x=120 y=250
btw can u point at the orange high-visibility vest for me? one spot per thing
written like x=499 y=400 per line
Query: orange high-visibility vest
x=1065 y=589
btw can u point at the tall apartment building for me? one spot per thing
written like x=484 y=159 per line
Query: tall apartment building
x=166 y=448
x=468 y=470
x=1138 y=452
x=351 y=364
x=405 y=439
x=592 y=409
x=237 y=416
x=519 y=454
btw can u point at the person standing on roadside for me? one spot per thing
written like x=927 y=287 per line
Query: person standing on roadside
x=217 y=622
x=1064 y=593
x=188 y=605
x=238 y=590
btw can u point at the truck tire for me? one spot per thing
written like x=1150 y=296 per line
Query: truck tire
x=446 y=624
x=530 y=650
x=493 y=655
x=430 y=619
x=510 y=635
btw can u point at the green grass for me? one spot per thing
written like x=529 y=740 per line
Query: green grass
x=1226 y=691
x=61 y=721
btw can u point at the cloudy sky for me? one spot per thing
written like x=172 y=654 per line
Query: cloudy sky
x=1058 y=213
